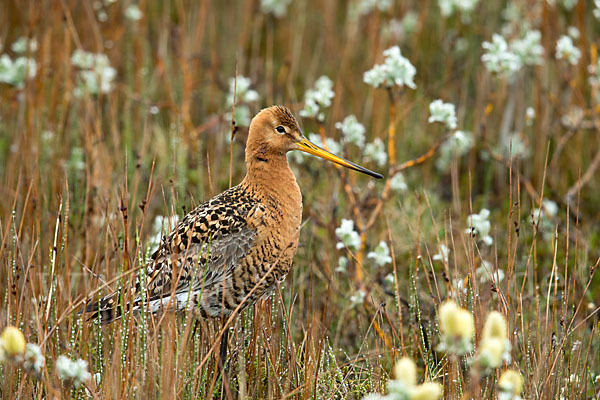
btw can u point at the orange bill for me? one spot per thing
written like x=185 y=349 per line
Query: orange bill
x=308 y=147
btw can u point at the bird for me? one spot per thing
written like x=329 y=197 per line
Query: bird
x=230 y=251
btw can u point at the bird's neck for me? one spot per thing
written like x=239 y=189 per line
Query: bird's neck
x=270 y=174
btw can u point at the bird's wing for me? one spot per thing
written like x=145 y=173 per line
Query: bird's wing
x=204 y=247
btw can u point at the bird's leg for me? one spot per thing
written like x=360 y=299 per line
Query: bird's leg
x=222 y=358
x=223 y=348
x=196 y=324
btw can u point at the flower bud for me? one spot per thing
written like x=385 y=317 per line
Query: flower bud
x=426 y=391
x=491 y=352
x=13 y=341
x=406 y=371
x=456 y=321
x=511 y=382
x=495 y=326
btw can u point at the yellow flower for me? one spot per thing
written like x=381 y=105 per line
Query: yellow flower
x=456 y=321
x=406 y=371
x=495 y=326
x=2 y=351
x=426 y=391
x=13 y=341
x=491 y=352
x=511 y=381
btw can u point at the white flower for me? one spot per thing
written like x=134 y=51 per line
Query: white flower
x=72 y=372
x=515 y=147
x=77 y=159
x=276 y=7
x=317 y=97
x=23 y=45
x=395 y=70
x=569 y=4
x=565 y=49
x=487 y=273
x=506 y=60
x=529 y=49
x=529 y=116
x=33 y=360
x=353 y=131
x=310 y=110
x=96 y=74
x=381 y=255
x=376 y=76
x=342 y=264
x=442 y=255
x=449 y=7
x=82 y=59
x=550 y=207
x=16 y=72
x=323 y=91
x=365 y=7
x=457 y=145
x=102 y=16
x=98 y=81
x=133 y=13
x=376 y=152
x=243 y=96
x=446 y=7
x=498 y=58
x=389 y=279
x=358 y=298
x=401 y=29
x=544 y=218
x=442 y=112
x=331 y=145
x=243 y=93
x=597 y=9
x=573 y=32
x=398 y=183
x=460 y=285
x=347 y=235
x=241 y=117
x=480 y=226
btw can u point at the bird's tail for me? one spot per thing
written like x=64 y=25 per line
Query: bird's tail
x=110 y=308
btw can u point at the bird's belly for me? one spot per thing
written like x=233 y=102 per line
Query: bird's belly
x=253 y=278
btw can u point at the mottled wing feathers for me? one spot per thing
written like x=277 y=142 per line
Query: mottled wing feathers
x=205 y=246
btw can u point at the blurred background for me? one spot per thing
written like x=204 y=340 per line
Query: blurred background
x=116 y=120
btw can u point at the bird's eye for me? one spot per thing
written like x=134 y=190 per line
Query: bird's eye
x=280 y=129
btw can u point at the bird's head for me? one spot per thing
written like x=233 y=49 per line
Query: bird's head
x=275 y=131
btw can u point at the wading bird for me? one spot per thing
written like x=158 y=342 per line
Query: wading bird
x=231 y=250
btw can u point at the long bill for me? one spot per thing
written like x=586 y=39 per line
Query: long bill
x=308 y=147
